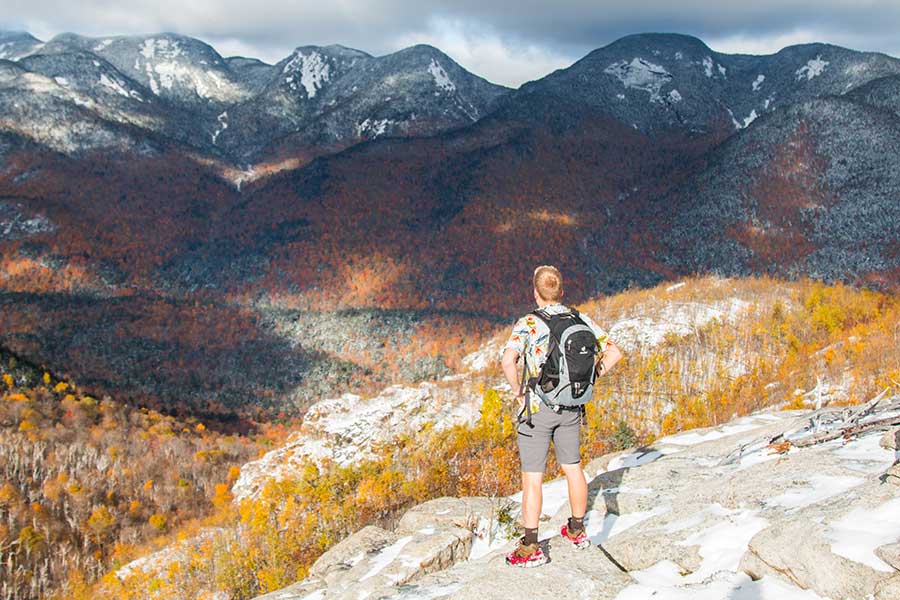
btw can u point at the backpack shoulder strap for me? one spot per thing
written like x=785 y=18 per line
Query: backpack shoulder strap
x=551 y=321
x=542 y=315
x=577 y=317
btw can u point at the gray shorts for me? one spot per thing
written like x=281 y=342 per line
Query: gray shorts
x=564 y=428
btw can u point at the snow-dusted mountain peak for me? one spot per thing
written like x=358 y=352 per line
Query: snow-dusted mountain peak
x=307 y=69
x=17 y=44
x=173 y=66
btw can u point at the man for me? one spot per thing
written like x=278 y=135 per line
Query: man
x=530 y=338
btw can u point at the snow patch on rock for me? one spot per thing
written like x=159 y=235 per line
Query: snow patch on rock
x=311 y=71
x=812 y=68
x=865 y=455
x=693 y=438
x=372 y=128
x=820 y=488
x=15 y=224
x=758 y=82
x=223 y=125
x=861 y=531
x=102 y=45
x=601 y=526
x=640 y=74
x=750 y=118
x=488 y=537
x=664 y=581
x=441 y=79
x=386 y=556
x=723 y=545
x=118 y=88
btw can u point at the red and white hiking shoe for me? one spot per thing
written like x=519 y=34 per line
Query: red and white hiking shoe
x=526 y=555
x=579 y=538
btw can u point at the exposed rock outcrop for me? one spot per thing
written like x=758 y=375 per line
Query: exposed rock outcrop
x=717 y=513
x=346 y=429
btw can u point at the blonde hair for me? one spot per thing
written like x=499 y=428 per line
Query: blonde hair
x=548 y=283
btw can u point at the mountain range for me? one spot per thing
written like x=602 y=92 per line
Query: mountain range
x=179 y=90
x=168 y=214
x=173 y=91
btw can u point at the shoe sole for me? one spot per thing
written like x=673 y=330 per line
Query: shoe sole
x=530 y=564
x=585 y=543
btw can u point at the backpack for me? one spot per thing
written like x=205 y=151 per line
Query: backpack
x=567 y=376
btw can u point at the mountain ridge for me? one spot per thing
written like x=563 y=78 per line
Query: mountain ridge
x=689 y=87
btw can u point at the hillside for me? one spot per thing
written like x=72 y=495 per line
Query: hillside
x=787 y=197
x=700 y=353
x=83 y=477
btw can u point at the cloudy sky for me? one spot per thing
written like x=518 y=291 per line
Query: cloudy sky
x=506 y=41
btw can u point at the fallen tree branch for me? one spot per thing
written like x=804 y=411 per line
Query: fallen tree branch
x=808 y=420
x=814 y=421
x=847 y=432
x=866 y=408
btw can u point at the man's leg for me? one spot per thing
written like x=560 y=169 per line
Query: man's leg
x=578 y=491
x=532 y=498
x=534 y=443
x=567 y=439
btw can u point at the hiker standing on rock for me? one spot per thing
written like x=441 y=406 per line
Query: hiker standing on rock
x=560 y=348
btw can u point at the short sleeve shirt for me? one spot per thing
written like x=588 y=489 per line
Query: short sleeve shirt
x=531 y=337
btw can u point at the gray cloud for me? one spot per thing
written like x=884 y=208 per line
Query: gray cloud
x=506 y=41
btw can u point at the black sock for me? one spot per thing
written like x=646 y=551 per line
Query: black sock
x=530 y=536
x=576 y=524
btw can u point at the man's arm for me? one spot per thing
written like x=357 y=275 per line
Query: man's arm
x=611 y=356
x=611 y=352
x=508 y=362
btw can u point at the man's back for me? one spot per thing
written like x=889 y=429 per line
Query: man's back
x=531 y=336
